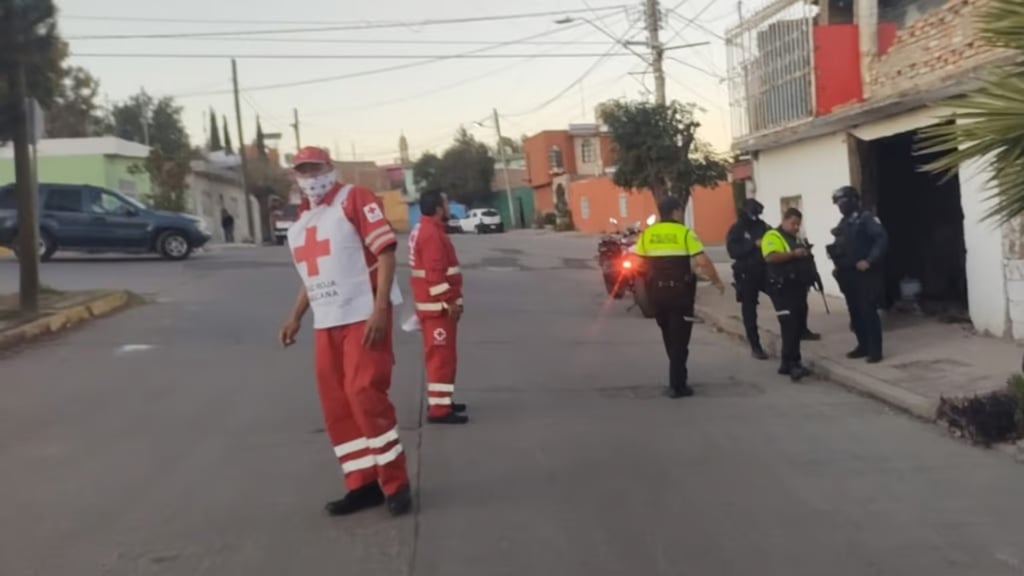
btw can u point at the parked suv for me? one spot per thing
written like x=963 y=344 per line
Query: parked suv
x=481 y=221
x=91 y=219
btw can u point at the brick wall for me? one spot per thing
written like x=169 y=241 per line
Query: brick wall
x=942 y=44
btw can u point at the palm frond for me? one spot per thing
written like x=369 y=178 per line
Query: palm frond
x=988 y=124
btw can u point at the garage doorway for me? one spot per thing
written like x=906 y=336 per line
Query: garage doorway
x=925 y=221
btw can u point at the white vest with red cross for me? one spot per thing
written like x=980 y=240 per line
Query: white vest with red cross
x=330 y=257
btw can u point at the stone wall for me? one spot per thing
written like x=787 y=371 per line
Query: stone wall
x=1013 y=262
x=940 y=45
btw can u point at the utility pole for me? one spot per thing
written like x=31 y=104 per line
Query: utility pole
x=241 y=152
x=653 y=17
x=28 y=225
x=504 y=168
x=295 y=126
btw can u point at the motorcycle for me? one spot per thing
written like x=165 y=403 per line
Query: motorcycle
x=616 y=256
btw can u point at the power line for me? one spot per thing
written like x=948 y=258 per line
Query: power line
x=597 y=63
x=372 y=72
x=455 y=56
x=340 y=27
x=456 y=84
x=377 y=41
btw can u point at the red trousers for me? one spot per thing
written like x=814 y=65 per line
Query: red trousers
x=439 y=340
x=353 y=382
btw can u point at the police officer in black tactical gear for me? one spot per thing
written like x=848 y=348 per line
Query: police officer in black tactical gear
x=790 y=273
x=859 y=248
x=744 y=246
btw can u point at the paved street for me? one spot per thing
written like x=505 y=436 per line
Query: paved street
x=202 y=453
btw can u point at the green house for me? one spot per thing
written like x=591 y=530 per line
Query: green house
x=104 y=162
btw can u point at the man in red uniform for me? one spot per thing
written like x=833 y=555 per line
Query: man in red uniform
x=437 y=291
x=344 y=252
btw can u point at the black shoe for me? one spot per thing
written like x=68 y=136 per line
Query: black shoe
x=683 y=392
x=359 y=499
x=798 y=373
x=400 y=502
x=856 y=354
x=784 y=370
x=450 y=418
x=759 y=353
x=874 y=359
x=810 y=336
x=459 y=408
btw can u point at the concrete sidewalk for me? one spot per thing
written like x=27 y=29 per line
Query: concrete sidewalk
x=925 y=360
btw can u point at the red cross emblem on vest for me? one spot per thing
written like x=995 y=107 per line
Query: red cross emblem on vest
x=311 y=252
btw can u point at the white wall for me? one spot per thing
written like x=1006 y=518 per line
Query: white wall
x=812 y=169
x=206 y=197
x=986 y=287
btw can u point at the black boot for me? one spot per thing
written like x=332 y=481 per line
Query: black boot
x=809 y=336
x=680 y=392
x=857 y=353
x=798 y=373
x=758 y=352
x=450 y=418
x=785 y=370
x=359 y=499
x=400 y=502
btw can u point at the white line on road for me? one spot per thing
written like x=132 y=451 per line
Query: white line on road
x=129 y=348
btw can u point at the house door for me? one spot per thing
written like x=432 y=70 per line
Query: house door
x=863 y=172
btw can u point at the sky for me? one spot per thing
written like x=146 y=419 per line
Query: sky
x=364 y=115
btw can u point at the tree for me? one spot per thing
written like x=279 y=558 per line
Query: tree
x=215 y=143
x=425 y=170
x=75 y=112
x=987 y=123
x=28 y=42
x=169 y=163
x=466 y=170
x=227 y=136
x=141 y=117
x=169 y=176
x=658 y=149
x=511 y=146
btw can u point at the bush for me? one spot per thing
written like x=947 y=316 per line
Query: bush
x=550 y=219
x=984 y=419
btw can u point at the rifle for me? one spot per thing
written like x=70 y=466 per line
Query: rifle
x=816 y=283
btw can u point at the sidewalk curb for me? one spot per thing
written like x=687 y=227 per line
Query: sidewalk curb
x=830 y=369
x=63 y=319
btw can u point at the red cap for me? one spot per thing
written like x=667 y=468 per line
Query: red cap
x=311 y=155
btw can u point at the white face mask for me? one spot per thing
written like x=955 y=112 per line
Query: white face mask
x=316 y=187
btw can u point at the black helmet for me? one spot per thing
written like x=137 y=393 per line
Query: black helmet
x=753 y=207
x=845 y=193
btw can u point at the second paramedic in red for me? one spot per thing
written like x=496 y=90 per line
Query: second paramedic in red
x=437 y=291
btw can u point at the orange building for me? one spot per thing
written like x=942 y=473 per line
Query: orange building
x=555 y=157
x=594 y=200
